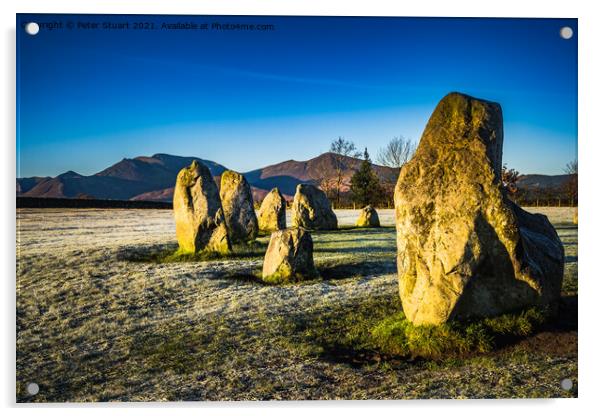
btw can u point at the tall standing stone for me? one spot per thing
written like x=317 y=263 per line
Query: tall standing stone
x=272 y=213
x=200 y=223
x=239 y=211
x=311 y=209
x=464 y=249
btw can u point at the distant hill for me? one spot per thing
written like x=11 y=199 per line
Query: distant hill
x=541 y=182
x=152 y=178
x=159 y=195
x=26 y=184
x=287 y=175
x=124 y=180
x=544 y=189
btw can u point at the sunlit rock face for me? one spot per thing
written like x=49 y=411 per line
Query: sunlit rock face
x=272 y=213
x=464 y=249
x=312 y=210
x=237 y=201
x=200 y=223
x=289 y=257
x=368 y=217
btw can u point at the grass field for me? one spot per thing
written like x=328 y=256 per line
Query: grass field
x=100 y=317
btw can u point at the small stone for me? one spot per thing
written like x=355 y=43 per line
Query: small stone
x=368 y=217
x=289 y=257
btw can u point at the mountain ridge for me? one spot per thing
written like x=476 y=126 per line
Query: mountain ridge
x=539 y=181
x=121 y=181
x=151 y=178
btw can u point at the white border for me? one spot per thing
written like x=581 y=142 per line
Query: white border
x=590 y=137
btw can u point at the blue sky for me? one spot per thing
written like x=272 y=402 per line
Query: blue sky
x=88 y=98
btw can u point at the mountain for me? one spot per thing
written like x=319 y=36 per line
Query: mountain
x=287 y=175
x=166 y=195
x=541 y=182
x=124 y=180
x=159 y=195
x=25 y=184
x=160 y=169
x=152 y=178
x=74 y=185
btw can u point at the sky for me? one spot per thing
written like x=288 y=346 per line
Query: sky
x=89 y=97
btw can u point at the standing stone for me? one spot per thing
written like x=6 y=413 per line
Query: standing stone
x=200 y=223
x=311 y=209
x=464 y=249
x=272 y=213
x=239 y=212
x=368 y=217
x=289 y=257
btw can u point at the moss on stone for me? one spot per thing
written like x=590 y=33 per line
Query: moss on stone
x=285 y=274
x=396 y=335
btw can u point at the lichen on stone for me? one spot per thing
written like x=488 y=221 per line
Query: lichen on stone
x=237 y=202
x=200 y=223
x=464 y=249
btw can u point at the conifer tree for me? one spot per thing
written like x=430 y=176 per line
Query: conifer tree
x=365 y=186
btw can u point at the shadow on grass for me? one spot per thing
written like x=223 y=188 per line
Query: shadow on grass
x=359 y=249
x=361 y=334
x=565 y=226
x=567 y=317
x=174 y=350
x=367 y=334
x=348 y=229
x=169 y=253
x=327 y=269
x=338 y=270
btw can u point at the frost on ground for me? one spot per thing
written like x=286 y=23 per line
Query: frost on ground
x=98 y=320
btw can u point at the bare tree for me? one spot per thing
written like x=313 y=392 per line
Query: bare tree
x=571 y=168
x=323 y=177
x=572 y=183
x=396 y=153
x=344 y=147
x=341 y=150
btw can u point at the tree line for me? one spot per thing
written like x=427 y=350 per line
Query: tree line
x=566 y=194
x=366 y=187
